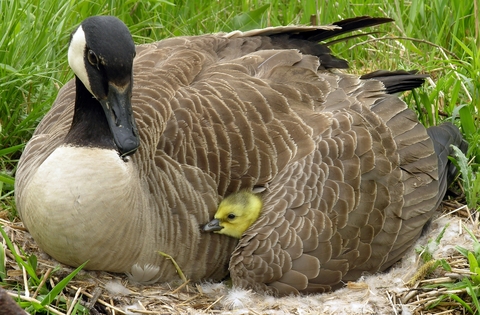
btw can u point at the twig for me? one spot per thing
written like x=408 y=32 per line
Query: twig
x=216 y=301
x=12 y=225
x=424 y=301
x=113 y=310
x=451 y=212
x=432 y=293
x=447 y=311
x=94 y=298
x=190 y=299
x=42 y=283
x=408 y=296
x=438 y=280
x=32 y=300
x=180 y=287
x=25 y=281
x=141 y=311
x=75 y=298
x=390 y=300
x=463 y=271
x=179 y=271
x=199 y=289
x=100 y=301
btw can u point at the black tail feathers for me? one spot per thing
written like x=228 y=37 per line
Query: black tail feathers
x=307 y=42
x=397 y=81
x=443 y=136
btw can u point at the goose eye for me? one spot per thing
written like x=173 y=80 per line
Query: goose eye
x=92 y=58
x=231 y=216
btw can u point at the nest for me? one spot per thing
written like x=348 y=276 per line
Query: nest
x=429 y=294
x=408 y=288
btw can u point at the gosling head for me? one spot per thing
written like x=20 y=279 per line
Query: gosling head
x=236 y=214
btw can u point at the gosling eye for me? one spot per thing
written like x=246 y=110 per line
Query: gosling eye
x=231 y=216
x=92 y=58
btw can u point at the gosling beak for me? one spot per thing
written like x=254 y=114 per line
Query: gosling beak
x=212 y=226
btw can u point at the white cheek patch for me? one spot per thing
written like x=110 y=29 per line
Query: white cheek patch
x=76 y=52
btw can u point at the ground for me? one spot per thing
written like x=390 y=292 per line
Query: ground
x=401 y=290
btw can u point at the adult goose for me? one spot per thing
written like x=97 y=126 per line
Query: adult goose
x=138 y=150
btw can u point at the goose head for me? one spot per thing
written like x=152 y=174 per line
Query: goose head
x=101 y=54
x=87 y=177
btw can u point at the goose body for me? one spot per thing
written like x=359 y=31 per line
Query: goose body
x=131 y=162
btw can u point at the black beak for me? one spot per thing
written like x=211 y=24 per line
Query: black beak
x=119 y=113
x=212 y=226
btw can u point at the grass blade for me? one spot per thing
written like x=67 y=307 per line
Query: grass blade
x=467 y=120
x=11 y=150
x=61 y=285
x=3 y=263
x=29 y=268
x=249 y=20
x=7 y=179
x=462 y=302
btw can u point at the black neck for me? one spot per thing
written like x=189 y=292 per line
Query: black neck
x=89 y=125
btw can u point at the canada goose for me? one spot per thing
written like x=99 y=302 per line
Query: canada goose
x=135 y=155
x=235 y=214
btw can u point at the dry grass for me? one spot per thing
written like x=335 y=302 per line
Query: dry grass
x=107 y=293
x=428 y=285
x=422 y=298
x=155 y=299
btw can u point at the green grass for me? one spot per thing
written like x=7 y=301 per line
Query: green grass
x=43 y=296
x=464 y=291
x=438 y=37
x=35 y=37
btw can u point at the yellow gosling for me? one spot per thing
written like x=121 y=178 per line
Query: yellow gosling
x=235 y=214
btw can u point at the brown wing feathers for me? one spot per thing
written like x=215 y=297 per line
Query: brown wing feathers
x=377 y=169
